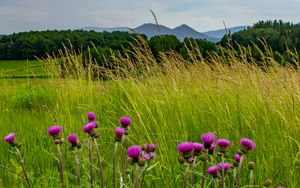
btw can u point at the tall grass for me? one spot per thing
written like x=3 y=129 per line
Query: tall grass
x=169 y=102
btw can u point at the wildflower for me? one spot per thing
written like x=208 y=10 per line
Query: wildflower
x=72 y=138
x=152 y=156
x=247 y=145
x=149 y=147
x=91 y=116
x=186 y=149
x=198 y=148
x=211 y=149
x=225 y=165
x=145 y=155
x=89 y=127
x=213 y=170
x=10 y=138
x=119 y=132
x=125 y=121
x=208 y=139
x=54 y=130
x=134 y=152
x=142 y=160
x=223 y=144
x=237 y=157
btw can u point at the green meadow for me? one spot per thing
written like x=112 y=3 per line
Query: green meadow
x=22 y=69
x=171 y=103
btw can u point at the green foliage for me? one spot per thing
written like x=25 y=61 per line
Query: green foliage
x=30 y=97
x=164 y=43
x=28 y=45
x=197 y=48
x=279 y=35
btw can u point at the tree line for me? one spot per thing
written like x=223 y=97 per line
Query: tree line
x=279 y=35
x=29 y=45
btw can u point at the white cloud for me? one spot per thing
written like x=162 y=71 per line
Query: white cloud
x=22 y=15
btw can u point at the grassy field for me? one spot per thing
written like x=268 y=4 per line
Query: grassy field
x=22 y=69
x=169 y=107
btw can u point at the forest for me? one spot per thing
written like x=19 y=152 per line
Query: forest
x=279 y=35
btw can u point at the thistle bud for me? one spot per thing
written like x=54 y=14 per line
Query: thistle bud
x=180 y=159
x=268 y=183
x=251 y=165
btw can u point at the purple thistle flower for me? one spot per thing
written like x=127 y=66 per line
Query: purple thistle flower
x=54 y=130
x=72 y=138
x=125 y=121
x=237 y=157
x=280 y=186
x=211 y=149
x=185 y=147
x=149 y=147
x=208 y=139
x=223 y=143
x=153 y=147
x=91 y=116
x=247 y=144
x=213 y=170
x=226 y=166
x=152 y=156
x=134 y=152
x=10 y=138
x=119 y=132
x=198 y=147
x=89 y=127
x=145 y=155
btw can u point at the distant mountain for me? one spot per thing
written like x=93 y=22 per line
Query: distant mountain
x=184 y=31
x=180 y=32
x=99 y=29
x=151 y=30
x=221 y=32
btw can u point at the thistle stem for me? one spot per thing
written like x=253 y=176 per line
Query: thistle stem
x=91 y=162
x=143 y=176
x=23 y=167
x=132 y=177
x=123 y=160
x=77 y=168
x=250 y=179
x=114 y=165
x=62 y=180
x=223 y=172
x=186 y=173
x=137 y=177
x=204 y=174
x=233 y=178
x=99 y=163
x=193 y=171
x=239 y=172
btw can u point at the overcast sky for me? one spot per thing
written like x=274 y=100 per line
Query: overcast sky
x=203 y=15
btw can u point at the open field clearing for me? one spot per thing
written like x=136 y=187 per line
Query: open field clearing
x=232 y=101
